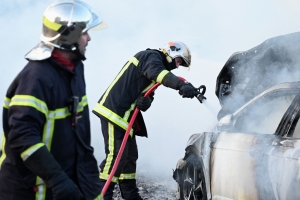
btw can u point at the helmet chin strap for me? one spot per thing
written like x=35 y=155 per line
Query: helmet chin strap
x=169 y=59
x=172 y=65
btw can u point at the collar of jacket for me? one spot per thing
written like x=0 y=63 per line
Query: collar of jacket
x=64 y=68
x=168 y=66
x=61 y=60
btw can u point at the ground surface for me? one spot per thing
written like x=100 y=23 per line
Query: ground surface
x=153 y=187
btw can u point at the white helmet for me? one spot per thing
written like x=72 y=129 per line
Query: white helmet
x=63 y=23
x=178 y=49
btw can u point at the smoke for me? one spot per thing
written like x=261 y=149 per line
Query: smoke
x=212 y=30
x=248 y=73
x=251 y=156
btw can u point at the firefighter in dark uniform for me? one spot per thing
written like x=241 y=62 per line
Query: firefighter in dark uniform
x=46 y=127
x=118 y=102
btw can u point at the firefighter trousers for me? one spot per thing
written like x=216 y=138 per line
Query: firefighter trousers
x=125 y=173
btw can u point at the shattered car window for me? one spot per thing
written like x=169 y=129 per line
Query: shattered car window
x=264 y=115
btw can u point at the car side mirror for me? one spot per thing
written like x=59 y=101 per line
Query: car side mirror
x=225 y=123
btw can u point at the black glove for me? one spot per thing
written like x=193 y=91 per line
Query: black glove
x=42 y=163
x=187 y=90
x=143 y=103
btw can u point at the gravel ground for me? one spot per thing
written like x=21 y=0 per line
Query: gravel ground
x=152 y=187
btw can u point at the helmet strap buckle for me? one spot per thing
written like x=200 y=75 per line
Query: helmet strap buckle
x=169 y=59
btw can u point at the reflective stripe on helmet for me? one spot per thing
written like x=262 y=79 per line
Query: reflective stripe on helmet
x=52 y=25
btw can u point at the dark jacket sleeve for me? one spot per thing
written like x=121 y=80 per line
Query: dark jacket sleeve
x=27 y=109
x=172 y=81
x=152 y=66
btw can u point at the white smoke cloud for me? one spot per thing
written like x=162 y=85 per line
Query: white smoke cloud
x=213 y=31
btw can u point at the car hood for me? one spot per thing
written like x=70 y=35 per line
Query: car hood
x=248 y=73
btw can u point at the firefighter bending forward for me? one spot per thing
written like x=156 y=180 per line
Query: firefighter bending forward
x=117 y=104
x=46 y=151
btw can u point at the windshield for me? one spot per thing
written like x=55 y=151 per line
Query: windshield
x=264 y=114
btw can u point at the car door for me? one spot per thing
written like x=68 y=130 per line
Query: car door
x=238 y=166
x=283 y=159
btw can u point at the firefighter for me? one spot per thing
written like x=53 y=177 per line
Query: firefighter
x=118 y=102
x=46 y=126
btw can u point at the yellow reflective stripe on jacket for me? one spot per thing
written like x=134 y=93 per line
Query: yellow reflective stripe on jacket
x=52 y=25
x=127 y=113
x=59 y=113
x=27 y=100
x=161 y=75
x=51 y=116
x=114 y=117
x=82 y=104
x=100 y=197
x=148 y=87
x=105 y=177
x=48 y=132
x=127 y=176
x=28 y=152
x=111 y=148
x=41 y=192
x=6 y=102
x=132 y=60
x=135 y=61
x=3 y=156
x=100 y=109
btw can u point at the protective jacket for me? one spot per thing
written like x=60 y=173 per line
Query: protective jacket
x=36 y=111
x=136 y=77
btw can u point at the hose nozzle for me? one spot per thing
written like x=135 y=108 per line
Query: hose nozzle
x=201 y=96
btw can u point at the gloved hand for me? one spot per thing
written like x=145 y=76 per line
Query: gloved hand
x=65 y=189
x=42 y=164
x=143 y=103
x=187 y=90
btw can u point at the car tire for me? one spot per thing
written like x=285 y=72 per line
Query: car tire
x=192 y=185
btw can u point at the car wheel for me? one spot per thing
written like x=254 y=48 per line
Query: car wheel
x=192 y=186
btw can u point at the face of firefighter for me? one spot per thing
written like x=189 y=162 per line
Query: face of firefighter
x=83 y=42
x=178 y=61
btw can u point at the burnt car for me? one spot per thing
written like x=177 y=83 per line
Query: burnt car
x=254 y=150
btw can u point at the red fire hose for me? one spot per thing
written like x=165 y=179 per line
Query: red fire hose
x=112 y=173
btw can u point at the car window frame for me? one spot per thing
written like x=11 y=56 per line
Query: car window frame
x=285 y=90
x=290 y=119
